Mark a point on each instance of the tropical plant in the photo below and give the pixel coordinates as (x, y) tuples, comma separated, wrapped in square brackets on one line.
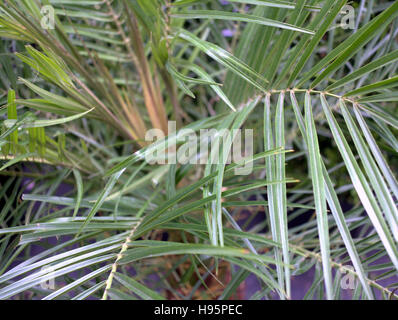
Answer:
[(83, 208)]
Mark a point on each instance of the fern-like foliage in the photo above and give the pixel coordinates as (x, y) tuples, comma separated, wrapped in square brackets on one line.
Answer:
[(82, 208)]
